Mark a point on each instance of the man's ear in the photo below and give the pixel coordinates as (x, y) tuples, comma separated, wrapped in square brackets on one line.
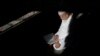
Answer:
[(79, 15)]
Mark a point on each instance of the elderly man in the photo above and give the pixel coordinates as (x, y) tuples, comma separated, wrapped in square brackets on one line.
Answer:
[(65, 40), (62, 33)]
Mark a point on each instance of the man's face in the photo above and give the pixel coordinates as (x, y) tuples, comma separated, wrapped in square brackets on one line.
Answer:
[(63, 15)]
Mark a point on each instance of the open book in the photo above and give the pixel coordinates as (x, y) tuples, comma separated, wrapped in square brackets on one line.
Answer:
[(48, 38)]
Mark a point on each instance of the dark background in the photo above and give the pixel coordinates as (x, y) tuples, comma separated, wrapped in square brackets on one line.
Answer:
[(27, 38)]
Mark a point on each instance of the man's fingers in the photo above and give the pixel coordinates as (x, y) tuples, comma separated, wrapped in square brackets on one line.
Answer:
[(56, 38), (57, 45)]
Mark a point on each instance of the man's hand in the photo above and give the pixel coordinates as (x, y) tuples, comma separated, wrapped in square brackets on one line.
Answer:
[(57, 44), (56, 40)]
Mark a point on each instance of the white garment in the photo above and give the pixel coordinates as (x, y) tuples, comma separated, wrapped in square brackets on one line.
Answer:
[(63, 33)]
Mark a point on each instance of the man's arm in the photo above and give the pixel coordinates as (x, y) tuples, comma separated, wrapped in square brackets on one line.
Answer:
[(59, 47)]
